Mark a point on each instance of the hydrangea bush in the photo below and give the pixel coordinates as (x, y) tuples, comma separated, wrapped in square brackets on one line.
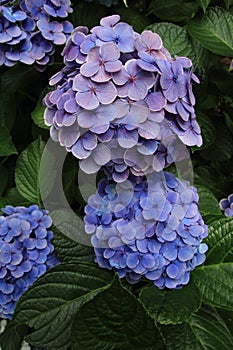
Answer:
[(140, 98)]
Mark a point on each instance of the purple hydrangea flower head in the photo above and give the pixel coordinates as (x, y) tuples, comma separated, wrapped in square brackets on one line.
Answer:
[(145, 93), (139, 229), (226, 204), (26, 252)]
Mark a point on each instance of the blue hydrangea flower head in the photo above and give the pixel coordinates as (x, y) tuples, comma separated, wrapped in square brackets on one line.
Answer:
[(147, 227), (122, 93), (226, 204), (26, 252)]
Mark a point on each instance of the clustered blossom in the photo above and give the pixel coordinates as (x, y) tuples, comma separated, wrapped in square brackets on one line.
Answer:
[(30, 29), (147, 229), (122, 102), (26, 252), (226, 204)]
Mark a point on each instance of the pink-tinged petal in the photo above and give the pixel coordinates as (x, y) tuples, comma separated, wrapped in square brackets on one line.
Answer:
[(138, 90), (86, 119), (113, 67), (132, 67), (157, 116), (89, 69), (106, 34), (109, 21), (89, 141), (149, 130), (102, 154), (69, 119), (190, 138), (110, 52), (93, 55), (87, 100), (71, 106), (68, 136), (100, 129), (152, 40), (127, 139), (89, 166), (101, 75), (182, 111), (121, 77), (49, 116), (79, 151), (122, 91), (81, 84), (156, 101), (171, 107), (106, 93)]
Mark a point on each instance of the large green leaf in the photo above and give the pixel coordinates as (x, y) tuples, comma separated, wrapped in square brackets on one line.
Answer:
[(171, 306), (206, 330), (3, 178), (220, 241), (12, 337), (50, 305), (214, 279), (173, 10), (214, 31), (28, 170), (208, 203), (6, 145), (175, 38), (38, 113), (204, 4), (70, 251), (114, 319)]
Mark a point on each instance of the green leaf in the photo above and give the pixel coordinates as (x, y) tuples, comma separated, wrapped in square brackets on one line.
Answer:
[(137, 20), (228, 3), (50, 305), (208, 203), (214, 279), (229, 122), (172, 306), (27, 171), (11, 338), (6, 145), (38, 115), (214, 31), (14, 198), (204, 4), (205, 331), (220, 241), (175, 38), (114, 319), (70, 251), (207, 130), (3, 178), (222, 147), (173, 10)]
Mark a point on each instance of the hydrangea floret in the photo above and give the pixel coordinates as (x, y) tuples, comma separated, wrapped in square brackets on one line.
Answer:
[(147, 228), (30, 29), (226, 204), (123, 93), (26, 252)]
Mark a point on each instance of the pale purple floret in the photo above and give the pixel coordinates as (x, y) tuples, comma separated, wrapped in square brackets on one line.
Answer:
[(72, 51), (90, 94), (226, 204), (121, 34), (52, 31), (133, 82), (101, 62), (173, 81), (149, 43)]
